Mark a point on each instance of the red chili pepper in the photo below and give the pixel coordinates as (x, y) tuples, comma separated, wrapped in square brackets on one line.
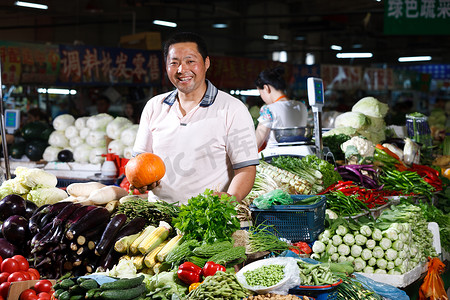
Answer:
[(189, 273), (303, 248), (211, 268)]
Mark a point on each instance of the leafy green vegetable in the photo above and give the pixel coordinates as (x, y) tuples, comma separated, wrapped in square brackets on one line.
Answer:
[(208, 217), (330, 175), (334, 142), (433, 214)]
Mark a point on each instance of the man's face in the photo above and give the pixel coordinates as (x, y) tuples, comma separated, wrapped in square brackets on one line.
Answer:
[(186, 68)]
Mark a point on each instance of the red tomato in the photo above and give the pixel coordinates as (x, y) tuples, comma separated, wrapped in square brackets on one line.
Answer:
[(26, 275), (25, 295), (4, 288), (23, 262), (1, 259), (44, 296), (10, 265), (32, 275), (4, 276), (16, 276), (36, 273), (43, 285)]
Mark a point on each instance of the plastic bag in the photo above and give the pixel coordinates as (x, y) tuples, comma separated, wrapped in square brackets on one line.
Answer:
[(433, 286), (275, 197), (290, 280)]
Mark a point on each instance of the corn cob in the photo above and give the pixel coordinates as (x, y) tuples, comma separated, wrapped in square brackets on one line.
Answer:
[(138, 262), (134, 245), (152, 240), (123, 244), (160, 267), (150, 258), (172, 244)]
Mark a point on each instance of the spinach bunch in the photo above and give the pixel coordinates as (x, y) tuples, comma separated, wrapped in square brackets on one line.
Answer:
[(208, 217)]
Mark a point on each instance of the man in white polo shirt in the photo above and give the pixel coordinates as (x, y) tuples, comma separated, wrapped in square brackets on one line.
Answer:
[(205, 136)]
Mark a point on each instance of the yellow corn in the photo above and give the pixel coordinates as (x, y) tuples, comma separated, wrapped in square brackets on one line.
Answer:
[(148, 271), (160, 267), (125, 257), (153, 240), (147, 231), (138, 262), (123, 244), (150, 258), (172, 244)]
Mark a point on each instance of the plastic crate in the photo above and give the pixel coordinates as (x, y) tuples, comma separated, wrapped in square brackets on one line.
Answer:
[(293, 222), (323, 292)]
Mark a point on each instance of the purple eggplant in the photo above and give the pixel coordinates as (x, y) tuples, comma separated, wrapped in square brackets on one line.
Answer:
[(30, 208), (78, 214), (7, 249), (15, 230), (109, 234), (34, 221), (11, 205), (93, 218)]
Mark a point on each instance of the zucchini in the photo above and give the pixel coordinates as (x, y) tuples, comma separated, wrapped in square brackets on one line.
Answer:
[(77, 290), (58, 292), (123, 283), (93, 293), (67, 283), (76, 297), (124, 294), (89, 284), (64, 295)]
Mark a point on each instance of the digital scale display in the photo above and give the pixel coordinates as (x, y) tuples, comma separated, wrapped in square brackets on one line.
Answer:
[(315, 91), (12, 120)]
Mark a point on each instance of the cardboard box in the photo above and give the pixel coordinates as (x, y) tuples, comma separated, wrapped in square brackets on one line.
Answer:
[(143, 40), (16, 288)]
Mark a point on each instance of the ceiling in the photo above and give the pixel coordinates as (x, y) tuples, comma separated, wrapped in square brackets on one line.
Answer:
[(304, 26)]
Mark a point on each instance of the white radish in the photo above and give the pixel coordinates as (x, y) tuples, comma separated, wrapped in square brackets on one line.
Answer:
[(83, 189), (105, 195)]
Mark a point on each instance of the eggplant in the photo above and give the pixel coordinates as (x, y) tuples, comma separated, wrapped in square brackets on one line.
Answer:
[(93, 218), (7, 249), (30, 208), (11, 205), (52, 211), (65, 213), (34, 220), (93, 234), (132, 227), (109, 234), (65, 155), (15, 230), (78, 214)]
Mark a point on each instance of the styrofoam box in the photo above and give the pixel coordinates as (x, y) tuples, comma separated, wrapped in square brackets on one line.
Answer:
[(411, 276)]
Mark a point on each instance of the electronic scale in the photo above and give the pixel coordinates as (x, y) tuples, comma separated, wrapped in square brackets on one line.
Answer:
[(300, 149), (12, 120)]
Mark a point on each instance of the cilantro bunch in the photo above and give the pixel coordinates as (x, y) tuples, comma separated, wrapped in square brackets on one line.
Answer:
[(208, 218)]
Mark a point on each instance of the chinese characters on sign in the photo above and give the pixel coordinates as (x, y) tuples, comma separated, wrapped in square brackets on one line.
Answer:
[(431, 17)]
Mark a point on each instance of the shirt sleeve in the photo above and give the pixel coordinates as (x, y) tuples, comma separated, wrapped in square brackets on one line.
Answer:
[(144, 140), (265, 116)]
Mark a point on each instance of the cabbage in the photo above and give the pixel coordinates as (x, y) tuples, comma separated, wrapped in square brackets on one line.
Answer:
[(331, 249), (63, 121), (71, 132), (368, 269), (99, 122), (377, 235), (391, 234), (385, 243), (76, 141), (365, 230), (48, 195), (381, 263), (80, 123), (51, 153), (390, 254), (343, 249), (81, 153), (372, 261), (355, 251), (115, 128), (318, 247), (350, 259), (128, 136), (390, 265), (96, 138), (123, 269), (397, 245), (116, 147), (336, 240), (360, 239), (350, 131), (58, 139), (366, 254), (352, 119), (341, 230), (84, 132), (376, 123), (359, 264), (349, 239), (378, 252), (370, 244), (128, 152), (375, 136), (95, 155), (35, 177), (370, 106), (13, 186)]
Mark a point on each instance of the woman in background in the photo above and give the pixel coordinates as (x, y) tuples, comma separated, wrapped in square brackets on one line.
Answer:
[(278, 111)]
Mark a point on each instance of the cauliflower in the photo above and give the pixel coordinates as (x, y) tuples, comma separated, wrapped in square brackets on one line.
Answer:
[(358, 147)]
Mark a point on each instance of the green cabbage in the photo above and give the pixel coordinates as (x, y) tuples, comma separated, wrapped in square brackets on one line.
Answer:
[(352, 119), (49, 195), (370, 106)]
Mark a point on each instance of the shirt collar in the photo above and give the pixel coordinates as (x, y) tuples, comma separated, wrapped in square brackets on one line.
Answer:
[(208, 98)]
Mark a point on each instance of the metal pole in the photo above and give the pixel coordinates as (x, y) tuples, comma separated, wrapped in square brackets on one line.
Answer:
[(3, 131)]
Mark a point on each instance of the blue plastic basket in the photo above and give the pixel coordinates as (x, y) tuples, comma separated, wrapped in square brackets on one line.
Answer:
[(293, 222), (324, 292)]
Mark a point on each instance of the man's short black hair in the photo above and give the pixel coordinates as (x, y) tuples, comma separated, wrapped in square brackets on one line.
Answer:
[(185, 37)]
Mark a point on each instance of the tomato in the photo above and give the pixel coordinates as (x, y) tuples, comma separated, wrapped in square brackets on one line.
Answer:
[(44, 296), (4, 288), (23, 262), (10, 265), (26, 275), (36, 273), (25, 295), (32, 275), (16, 276), (43, 285), (4, 276), (1, 259)]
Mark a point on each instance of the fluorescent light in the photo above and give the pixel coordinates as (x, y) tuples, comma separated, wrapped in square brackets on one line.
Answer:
[(253, 92), (57, 91), (355, 55), (164, 23), (357, 46), (300, 38), (310, 59), (31, 5), (220, 25), (336, 47), (414, 58), (270, 37)]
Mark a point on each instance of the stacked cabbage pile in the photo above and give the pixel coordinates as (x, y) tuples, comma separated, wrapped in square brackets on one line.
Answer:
[(86, 137), (365, 119)]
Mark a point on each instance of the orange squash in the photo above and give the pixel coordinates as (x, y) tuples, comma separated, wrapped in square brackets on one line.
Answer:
[(144, 169)]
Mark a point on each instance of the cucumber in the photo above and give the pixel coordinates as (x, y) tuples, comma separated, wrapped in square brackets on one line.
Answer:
[(89, 284), (76, 297), (124, 294), (67, 283), (93, 293), (123, 283), (58, 292), (64, 295), (77, 290)]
